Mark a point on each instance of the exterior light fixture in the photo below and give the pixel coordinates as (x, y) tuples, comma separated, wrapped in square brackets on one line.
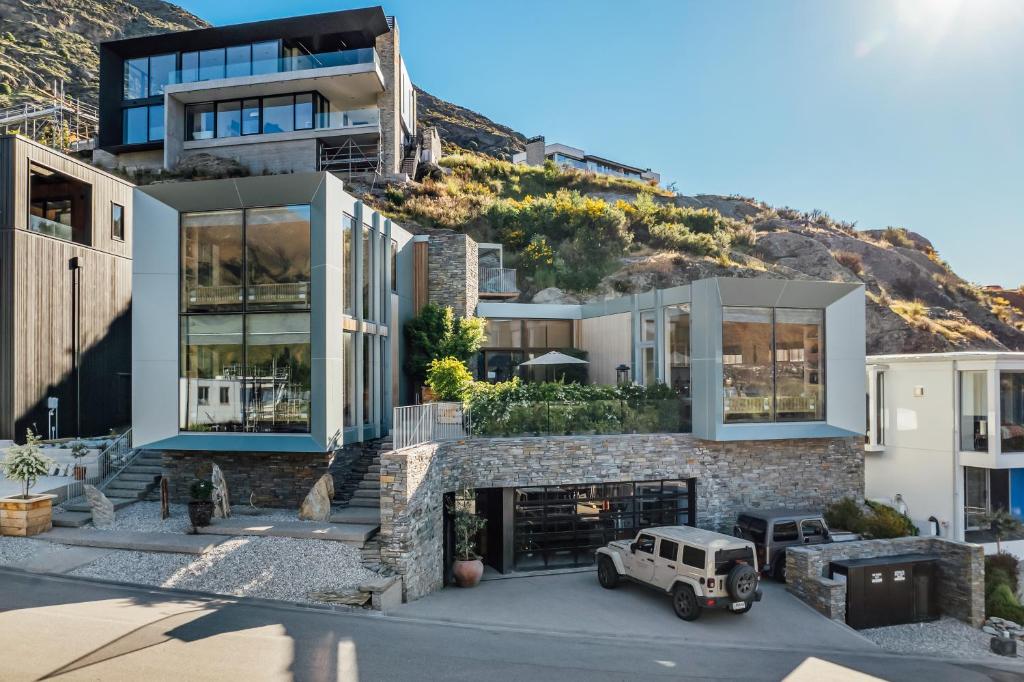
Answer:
[(622, 375)]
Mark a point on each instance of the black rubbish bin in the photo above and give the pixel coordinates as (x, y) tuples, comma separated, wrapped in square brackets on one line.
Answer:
[(889, 590)]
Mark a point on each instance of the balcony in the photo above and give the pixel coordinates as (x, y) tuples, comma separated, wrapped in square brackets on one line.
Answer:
[(50, 227), (497, 283)]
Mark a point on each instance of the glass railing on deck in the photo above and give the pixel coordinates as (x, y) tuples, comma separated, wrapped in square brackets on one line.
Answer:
[(585, 418), (260, 67), (50, 227), (353, 118)]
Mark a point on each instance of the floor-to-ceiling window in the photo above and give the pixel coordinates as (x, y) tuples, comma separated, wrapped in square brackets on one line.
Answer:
[(773, 364), (648, 358), (974, 411), (245, 321), (677, 361), (1011, 411), (509, 343)]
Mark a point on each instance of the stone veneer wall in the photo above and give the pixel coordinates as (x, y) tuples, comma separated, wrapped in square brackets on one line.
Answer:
[(389, 102), (267, 479), (961, 588), (730, 477), (453, 272)]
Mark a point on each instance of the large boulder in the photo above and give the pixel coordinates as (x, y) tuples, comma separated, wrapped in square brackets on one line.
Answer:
[(802, 253), (317, 505), (101, 507)]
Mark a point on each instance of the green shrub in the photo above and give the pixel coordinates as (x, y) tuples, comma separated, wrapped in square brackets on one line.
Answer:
[(26, 463), (1006, 563), (448, 378), (395, 195), (885, 522), (1002, 603), (201, 490), (437, 333), (845, 514)]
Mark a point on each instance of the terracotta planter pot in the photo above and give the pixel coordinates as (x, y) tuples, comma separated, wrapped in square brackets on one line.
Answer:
[(79, 472), (25, 516), (468, 573), (200, 512)]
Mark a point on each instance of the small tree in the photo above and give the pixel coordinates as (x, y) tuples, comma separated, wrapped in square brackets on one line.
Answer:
[(26, 463), (1002, 524), (449, 379), (437, 333), (467, 525)]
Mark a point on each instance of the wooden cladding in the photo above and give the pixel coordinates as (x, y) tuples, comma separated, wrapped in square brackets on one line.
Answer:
[(420, 272)]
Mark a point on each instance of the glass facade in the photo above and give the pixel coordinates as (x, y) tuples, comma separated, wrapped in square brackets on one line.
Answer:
[(974, 411), (561, 526), (677, 363), (253, 116), (648, 359), (773, 364), (245, 365), (143, 124), (365, 257), (512, 342), (1011, 411), (348, 272), (161, 72), (348, 351), (200, 121)]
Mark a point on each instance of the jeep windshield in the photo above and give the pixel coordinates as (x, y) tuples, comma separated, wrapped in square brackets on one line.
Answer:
[(725, 559)]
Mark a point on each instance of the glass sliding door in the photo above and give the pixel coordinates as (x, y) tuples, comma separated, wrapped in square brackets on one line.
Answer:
[(976, 496)]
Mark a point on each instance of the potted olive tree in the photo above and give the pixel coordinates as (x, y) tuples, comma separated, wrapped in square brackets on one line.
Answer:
[(26, 514), (200, 507), (467, 567), (79, 451)]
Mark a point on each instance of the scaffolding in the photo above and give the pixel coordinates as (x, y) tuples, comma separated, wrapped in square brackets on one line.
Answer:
[(55, 119)]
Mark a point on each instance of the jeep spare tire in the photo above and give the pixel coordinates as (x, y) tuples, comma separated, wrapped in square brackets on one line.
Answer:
[(741, 582)]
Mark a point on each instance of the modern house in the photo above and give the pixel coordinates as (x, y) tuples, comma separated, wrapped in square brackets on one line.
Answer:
[(267, 313), (946, 437), (65, 294), (537, 152), (320, 92)]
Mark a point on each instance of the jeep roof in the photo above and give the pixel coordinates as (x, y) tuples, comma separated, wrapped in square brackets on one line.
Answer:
[(781, 514), (699, 536)]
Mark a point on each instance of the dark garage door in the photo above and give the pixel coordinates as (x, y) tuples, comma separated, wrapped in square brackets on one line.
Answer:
[(561, 526)]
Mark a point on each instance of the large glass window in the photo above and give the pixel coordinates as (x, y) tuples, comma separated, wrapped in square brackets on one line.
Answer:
[(1011, 411), (278, 372), (156, 122), (250, 116), (799, 387), (229, 119), (349, 357), (367, 381), (279, 114), (677, 345), (59, 205), (211, 64), (136, 78), (277, 257), (266, 376), (394, 265), (117, 221), (161, 72), (647, 356), (747, 364), (136, 125), (265, 57), (304, 111), (348, 267), (365, 256), (211, 357), (773, 364), (508, 343), (189, 67), (211, 261), (199, 121), (239, 61), (548, 333), (974, 411), (504, 334)]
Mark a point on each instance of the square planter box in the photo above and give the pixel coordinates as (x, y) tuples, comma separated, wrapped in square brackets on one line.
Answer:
[(26, 516)]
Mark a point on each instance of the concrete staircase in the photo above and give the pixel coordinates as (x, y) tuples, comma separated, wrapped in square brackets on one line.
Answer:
[(131, 485), (357, 498)]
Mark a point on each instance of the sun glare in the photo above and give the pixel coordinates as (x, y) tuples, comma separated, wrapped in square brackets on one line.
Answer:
[(933, 23)]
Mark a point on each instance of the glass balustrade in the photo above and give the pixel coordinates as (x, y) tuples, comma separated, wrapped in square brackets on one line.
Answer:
[(301, 62)]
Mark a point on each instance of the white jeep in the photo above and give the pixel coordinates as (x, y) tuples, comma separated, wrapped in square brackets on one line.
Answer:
[(699, 568)]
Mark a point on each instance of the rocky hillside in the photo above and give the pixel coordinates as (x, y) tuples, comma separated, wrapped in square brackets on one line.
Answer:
[(576, 236), (42, 41)]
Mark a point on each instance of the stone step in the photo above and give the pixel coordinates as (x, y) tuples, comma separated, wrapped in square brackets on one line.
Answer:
[(364, 502), (118, 484), (143, 542), (374, 467), (369, 484), (129, 475), (305, 530), (118, 502), (71, 519), (359, 515), (372, 476), (144, 469), (372, 493)]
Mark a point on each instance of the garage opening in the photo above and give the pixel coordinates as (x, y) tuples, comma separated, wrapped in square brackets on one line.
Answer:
[(560, 526)]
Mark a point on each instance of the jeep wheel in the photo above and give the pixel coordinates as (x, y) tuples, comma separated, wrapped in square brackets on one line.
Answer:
[(684, 602), (741, 582), (606, 573)]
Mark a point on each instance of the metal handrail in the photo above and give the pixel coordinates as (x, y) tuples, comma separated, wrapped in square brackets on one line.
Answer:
[(497, 280), (418, 424), (111, 461)]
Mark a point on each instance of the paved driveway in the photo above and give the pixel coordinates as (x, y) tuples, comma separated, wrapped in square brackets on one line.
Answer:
[(575, 603)]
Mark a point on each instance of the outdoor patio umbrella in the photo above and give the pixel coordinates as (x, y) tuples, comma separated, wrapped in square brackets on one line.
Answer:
[(554, 358)]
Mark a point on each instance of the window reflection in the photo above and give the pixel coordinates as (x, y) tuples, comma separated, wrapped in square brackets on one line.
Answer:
[(277, 375), (1011, 411), (277, 257), (747, 364), (798, 365), (211, 261), (211, 362)]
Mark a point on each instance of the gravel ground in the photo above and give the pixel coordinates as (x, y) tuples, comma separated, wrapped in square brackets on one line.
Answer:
[(15, 551), (270, 568), (145, 517), (946, 637)]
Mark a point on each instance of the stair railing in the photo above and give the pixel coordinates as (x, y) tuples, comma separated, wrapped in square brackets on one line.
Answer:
[(111, 461)]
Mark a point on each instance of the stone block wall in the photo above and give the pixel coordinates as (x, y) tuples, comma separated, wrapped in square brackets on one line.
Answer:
[(389, 102), (961, 574), (267, 479), (453, 277), (731, 477)]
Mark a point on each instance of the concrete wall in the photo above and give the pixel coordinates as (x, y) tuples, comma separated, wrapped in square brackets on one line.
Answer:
[(608, 342), (731, 477), (291, 156), (961, 588)]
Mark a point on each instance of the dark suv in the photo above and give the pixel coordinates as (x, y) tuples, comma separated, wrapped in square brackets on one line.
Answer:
[(772, 531)]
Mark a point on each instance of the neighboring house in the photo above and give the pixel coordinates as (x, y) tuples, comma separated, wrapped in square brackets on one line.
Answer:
[(946, 435), (65, 294), (537, 152), (267, 326), (319, 92)]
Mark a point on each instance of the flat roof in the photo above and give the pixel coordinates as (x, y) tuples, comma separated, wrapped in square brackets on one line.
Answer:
[(948, 356), (355, 28)]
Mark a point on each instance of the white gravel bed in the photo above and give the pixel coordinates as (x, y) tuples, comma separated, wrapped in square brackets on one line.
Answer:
[(15, 551), (145, 517), (947, 637), (265, 567)]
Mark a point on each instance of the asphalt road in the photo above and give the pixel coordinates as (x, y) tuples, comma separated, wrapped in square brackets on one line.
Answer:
[(54, 627)]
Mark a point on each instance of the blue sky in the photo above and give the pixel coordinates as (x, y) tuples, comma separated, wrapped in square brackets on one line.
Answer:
[(896, 112)]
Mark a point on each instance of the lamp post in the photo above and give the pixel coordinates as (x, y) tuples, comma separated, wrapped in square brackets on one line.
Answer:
[(622, 375), (76, 326)]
